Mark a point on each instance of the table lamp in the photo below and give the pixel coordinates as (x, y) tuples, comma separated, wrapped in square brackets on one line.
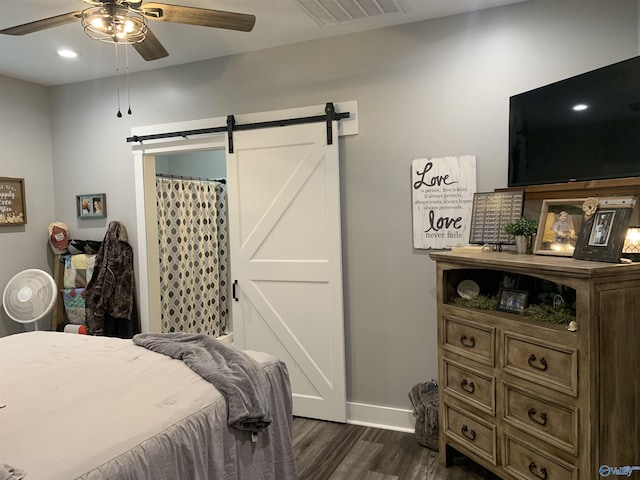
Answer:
[(631, 247)]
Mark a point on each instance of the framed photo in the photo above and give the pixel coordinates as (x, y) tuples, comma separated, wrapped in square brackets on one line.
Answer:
[(91, 205), (604, 229), (558, 227), (513, 301), (601, 232), (13, 210)]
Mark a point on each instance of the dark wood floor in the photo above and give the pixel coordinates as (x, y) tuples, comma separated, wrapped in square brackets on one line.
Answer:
[(335, 451)]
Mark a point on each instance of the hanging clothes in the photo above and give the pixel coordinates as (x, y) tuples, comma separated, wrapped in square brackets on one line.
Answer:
[(193, 245), (110, 294)]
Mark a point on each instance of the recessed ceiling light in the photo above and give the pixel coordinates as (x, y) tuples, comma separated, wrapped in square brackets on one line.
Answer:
[(65, 52), (580, 107)]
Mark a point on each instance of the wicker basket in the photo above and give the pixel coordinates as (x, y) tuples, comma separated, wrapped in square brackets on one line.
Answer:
[(424, 397)]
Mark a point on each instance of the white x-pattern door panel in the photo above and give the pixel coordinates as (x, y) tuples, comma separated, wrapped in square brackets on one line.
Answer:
[(286, 257)]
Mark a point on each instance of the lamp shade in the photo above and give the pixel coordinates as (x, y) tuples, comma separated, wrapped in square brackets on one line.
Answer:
[(631, 247)]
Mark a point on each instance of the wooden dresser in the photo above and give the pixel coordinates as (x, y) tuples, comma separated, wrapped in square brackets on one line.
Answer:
[(529, 399)]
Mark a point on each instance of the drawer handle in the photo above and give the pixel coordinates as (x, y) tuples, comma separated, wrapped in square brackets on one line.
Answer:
[(471, 342), (470, 434), (467, 386), (538, 472), (543, 363), (541, 419)]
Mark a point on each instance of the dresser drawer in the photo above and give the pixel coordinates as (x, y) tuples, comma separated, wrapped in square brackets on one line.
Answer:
[(475, 434), (470, 386), (523, 462), (470, 340), (553, 366), (553, 422)]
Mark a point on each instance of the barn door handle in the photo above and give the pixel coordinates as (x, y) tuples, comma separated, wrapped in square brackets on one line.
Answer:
[(233, 290)]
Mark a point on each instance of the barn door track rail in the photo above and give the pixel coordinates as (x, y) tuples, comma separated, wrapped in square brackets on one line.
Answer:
[(329, 116)]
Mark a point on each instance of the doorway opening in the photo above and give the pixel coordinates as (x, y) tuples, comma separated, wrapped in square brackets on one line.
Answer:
[(193, 242), (188, 158)]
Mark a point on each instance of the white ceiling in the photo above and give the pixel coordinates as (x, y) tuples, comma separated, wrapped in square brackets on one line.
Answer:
[(33, 57)]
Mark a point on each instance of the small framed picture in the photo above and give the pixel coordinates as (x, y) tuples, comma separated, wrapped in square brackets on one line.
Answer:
[(513, 301), (91, 205), (604, 229), (558, 227)]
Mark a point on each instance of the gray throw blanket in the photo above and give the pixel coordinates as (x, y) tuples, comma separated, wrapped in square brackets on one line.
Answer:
[(235, 374)]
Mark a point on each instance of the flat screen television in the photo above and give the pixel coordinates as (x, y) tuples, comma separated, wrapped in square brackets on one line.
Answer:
[(586, 127)]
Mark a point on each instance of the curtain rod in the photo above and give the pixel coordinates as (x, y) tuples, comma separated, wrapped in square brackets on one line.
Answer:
[(183, 177)]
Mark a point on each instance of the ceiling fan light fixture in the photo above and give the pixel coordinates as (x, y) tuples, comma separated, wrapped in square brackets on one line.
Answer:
[(114, 24)]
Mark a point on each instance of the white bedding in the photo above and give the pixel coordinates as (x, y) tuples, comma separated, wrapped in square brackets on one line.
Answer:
[(103, 408)]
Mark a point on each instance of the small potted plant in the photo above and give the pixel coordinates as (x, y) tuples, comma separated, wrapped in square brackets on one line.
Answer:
[(523, 229)]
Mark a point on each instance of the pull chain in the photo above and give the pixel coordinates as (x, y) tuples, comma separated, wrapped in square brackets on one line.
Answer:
[(119, 114), (126, 51)]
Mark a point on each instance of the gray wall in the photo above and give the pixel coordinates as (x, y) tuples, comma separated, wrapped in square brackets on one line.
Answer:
[(25, 139), (211, 164), (427, 89)]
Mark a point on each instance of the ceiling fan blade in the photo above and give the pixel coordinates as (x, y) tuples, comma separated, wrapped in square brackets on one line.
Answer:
[(150, 48), (43, 24), (242, 22)]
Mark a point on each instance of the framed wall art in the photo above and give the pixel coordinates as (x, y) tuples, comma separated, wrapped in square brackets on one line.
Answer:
[(13, 210), (604, 228), (558, 227), (91, 205), (442, 193)]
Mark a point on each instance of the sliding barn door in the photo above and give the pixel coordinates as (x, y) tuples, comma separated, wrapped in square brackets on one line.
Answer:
[(284, 221)]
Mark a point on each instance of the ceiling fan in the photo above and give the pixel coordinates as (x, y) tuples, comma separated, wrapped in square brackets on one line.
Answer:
[(125, 22)]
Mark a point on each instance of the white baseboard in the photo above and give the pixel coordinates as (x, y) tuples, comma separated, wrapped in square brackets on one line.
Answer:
[(376, 416)]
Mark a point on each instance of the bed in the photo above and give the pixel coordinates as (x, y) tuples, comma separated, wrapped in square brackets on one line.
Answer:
[(85, 407)]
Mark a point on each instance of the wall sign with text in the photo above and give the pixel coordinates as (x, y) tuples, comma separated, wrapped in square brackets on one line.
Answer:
[(443, 190), (12, 202)]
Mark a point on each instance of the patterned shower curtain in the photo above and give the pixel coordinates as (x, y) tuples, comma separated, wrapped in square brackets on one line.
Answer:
[(192, 231)]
